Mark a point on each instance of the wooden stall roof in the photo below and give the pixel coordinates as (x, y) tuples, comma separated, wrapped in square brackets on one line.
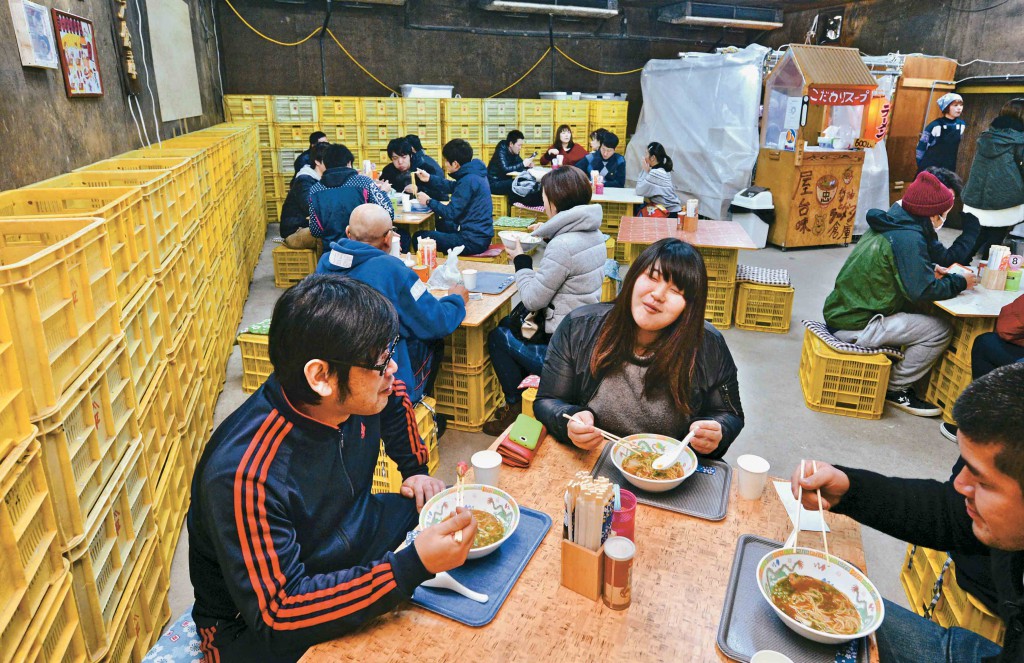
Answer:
[(831, 65)]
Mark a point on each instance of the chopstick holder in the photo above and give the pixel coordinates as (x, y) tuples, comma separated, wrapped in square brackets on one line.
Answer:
[(582, 569)]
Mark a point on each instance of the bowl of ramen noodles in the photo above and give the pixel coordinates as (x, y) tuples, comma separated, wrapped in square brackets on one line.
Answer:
[(637, 467), (819, 596), (496, 513)]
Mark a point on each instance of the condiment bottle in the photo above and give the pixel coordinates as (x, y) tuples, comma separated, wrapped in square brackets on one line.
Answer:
[(618, 572)]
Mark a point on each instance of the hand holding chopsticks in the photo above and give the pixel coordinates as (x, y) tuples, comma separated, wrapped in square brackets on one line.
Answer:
[(791, 541), (606, 435)]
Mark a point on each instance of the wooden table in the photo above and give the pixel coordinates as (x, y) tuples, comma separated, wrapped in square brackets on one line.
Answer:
[(680, 575), (978, 303), (420, 220), (621, 195), (709, 234), (478, 310)]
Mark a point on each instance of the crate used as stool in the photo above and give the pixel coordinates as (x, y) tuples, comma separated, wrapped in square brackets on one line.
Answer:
[(852, 385), (386, 477), (520, 210), (256, 366), (496, 255), (947, 381), (505, 222), (763, 308), (500, 206), (292, 265)]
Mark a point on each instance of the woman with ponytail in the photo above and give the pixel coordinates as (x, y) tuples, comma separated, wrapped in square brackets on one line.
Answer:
[(655, 184)]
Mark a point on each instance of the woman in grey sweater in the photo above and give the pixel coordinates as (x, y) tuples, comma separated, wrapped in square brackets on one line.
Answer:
[(568, 275), (655, 183)]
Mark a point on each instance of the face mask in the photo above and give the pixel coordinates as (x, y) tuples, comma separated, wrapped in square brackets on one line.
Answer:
[(942, 222)]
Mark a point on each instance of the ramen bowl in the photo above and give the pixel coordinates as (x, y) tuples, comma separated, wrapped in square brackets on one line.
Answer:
[(778, 564), (526, 240), (477, 496), (658, 444)]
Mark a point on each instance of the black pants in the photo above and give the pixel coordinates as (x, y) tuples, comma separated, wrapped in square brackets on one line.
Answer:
[(990, 237), (990, 352)]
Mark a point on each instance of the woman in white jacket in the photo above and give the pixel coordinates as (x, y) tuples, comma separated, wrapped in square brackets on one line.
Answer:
[(568, 275), (655, 183)]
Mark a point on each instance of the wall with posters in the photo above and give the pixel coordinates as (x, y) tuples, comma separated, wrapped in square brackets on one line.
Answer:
[(46, 133)]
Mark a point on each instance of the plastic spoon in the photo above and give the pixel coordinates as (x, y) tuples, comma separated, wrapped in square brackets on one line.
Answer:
[(444, 581), (671, 457)]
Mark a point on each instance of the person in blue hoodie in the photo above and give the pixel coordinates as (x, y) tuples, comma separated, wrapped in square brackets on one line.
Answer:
[(424, 321), (466, 220), (607, 162)]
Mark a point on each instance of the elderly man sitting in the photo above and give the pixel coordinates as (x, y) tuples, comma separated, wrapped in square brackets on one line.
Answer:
[(423, 320)]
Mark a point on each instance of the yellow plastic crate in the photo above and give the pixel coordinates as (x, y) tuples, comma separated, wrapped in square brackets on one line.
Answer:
[(126, 224), (183, 171), (341, 110), (268, 135), (143, 610), (500, 259), (462, 111), (465, 349), (55, 632), (610, 248), (382, 110), (171, 498), (418, 110), (429, 134), (198, 155), (536, 111), (539, 137), (846, 384), (293, 134), (256, 366), (248, 107), (103, 562), (14, 422), (283, 164), (144, 337), (60, 300), (524, 213), (468, 399), (569, 111), (158, 421), (719, 307), (207, 315), (292, 265), (495, 133), (609, 114), (500, 111), (764, 308), (377, 136), (720, 263), (194, 428), (611, 218), (295, 109), (349, 135), (386, 477), (85, 437), (500, 205), (28, 532), (529, 397), (159, 201), (965, 331), (947, 381), (609, 289), (183, 364), (174, 290), (197, 259)]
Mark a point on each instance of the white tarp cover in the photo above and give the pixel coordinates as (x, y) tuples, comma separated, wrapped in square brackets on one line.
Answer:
[(704, 109), (874, 176)]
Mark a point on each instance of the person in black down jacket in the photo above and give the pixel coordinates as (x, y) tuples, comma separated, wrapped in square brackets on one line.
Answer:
[(981, 511), (505, 162), (647, 363)]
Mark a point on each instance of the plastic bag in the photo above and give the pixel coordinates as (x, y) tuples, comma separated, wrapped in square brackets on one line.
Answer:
[(447, 275)]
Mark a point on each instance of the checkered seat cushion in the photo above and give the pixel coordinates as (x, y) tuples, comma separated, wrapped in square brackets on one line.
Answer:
[(821, 331), (762, 275), (538, 208)]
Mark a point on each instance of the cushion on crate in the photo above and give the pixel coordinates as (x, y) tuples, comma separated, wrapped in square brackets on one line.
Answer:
[(762, 275), (821, 331), (179, 643), (513, 222), (492, 252), (539, 208)]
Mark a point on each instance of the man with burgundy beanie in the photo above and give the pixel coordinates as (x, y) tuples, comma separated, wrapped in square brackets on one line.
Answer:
[(888, 279)]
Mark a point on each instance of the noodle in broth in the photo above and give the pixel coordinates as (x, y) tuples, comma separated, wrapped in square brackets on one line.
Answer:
[(640, 464), (816, 604)]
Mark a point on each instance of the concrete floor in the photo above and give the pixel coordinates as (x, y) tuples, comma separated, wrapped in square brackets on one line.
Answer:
[(779, 426)]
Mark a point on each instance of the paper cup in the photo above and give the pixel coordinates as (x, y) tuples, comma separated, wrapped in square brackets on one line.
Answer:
[(422, 271), (486, 466), (753, 473), (469, 278), (406, 203)]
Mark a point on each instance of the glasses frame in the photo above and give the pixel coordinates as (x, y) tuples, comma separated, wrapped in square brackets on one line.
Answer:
[(380, 367)]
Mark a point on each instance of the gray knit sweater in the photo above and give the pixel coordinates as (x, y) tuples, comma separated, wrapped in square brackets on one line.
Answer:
[(655, 186)]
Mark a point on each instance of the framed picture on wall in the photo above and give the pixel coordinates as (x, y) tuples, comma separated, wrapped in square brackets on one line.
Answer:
[(76, 45), (34, 34)]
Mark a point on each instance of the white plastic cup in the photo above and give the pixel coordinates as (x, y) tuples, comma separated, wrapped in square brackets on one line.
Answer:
[(769, 656), (486, 467), (406, 203), (691, 207), (469, 278), (753, 472)]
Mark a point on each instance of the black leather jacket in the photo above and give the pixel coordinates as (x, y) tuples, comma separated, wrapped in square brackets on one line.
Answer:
[(503, 162), (567, 384)]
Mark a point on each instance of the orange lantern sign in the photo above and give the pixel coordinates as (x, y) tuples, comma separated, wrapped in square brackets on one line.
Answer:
[(876, 121)]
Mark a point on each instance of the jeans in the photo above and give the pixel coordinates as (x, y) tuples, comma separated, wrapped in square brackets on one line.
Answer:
[(923, 338), (513, 360), (988, 237), (990, 352), (448, 241), (905, 637)]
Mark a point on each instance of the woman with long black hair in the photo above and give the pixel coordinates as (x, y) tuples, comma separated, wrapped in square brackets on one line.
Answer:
[(647, 363)]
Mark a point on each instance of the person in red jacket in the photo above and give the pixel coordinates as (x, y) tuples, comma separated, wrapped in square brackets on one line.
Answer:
[(564, 147)]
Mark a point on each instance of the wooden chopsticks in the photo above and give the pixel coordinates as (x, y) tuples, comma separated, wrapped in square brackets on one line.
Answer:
[(611, 437)]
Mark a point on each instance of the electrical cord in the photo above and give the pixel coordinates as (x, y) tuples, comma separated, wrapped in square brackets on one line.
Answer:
[(145, 67), (271, 39), (983, 9), (520, 79), (356, 62), (596, 71)]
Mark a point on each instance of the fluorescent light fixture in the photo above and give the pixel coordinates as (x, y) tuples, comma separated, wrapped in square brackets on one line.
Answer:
[(512, 6)]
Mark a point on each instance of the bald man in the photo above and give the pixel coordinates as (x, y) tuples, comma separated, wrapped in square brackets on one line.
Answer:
[(424, 321)]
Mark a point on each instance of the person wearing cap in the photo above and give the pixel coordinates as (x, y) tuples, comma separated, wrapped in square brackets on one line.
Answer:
[(886, 277), (940, 140)]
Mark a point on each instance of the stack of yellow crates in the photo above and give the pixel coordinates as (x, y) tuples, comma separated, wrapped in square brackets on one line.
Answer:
[(382, 122), (126, 279), (500, 116), (463, 118), (610, 116), (951, 375), (422, 117), (536, 121)]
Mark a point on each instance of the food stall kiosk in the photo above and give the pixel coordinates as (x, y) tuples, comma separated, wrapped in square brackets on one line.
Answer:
[(816, 103)]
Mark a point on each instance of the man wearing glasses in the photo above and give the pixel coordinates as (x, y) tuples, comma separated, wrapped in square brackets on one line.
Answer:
[(287, 546), (424, 321)]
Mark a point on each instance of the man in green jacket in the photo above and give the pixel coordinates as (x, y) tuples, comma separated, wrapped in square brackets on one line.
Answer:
[(888, 277)]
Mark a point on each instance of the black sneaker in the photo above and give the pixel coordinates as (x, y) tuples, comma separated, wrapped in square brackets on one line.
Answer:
[(907, 400), (504, 417), (948, 431)]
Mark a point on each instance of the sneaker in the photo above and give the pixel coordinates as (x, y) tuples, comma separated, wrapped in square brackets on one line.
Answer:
[(907, 400), (504, 417), (948, 431)]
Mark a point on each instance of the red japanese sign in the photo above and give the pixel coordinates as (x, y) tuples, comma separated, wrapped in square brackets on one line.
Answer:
[(838, 96)]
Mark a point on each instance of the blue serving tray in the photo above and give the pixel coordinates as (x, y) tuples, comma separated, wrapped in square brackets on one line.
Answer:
[(493, 575)]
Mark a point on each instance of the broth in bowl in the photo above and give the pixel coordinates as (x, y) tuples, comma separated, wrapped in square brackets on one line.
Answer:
[(816, 603)]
